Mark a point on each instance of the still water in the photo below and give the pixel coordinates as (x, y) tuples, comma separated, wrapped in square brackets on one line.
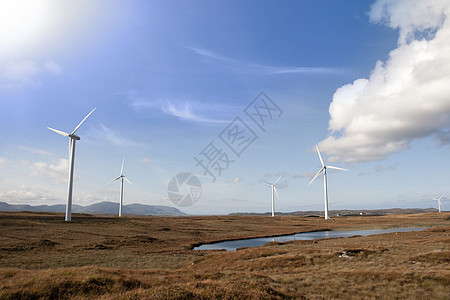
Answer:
[(256, 242)]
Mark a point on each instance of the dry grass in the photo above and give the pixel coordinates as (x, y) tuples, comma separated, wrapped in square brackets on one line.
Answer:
[(43, 257)]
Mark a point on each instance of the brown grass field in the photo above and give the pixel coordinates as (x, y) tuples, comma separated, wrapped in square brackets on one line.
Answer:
[(103, 257)]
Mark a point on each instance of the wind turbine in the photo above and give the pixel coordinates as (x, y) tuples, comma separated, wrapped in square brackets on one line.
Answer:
[(439, 202), (324, 170), (73, 138), (274, 190), (121, 177)]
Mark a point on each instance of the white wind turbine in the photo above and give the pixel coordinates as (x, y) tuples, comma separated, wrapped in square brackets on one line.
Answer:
[(274, 190), (121, 177), (324, 170), (73, 138), (439, 202)]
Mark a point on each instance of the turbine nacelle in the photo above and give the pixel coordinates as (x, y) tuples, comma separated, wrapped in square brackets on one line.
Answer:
[(74, 137)]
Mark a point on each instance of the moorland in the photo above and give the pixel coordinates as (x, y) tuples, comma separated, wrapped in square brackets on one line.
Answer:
[(104, 257)]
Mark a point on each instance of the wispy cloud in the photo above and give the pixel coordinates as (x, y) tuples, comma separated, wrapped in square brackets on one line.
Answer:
[(241, 66), (104, 133), (186, 110)]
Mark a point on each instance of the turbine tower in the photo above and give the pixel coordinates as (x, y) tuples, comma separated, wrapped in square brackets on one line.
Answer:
[(121, 177), (324, 170), (439, 202), (72, 139), (274, 190)]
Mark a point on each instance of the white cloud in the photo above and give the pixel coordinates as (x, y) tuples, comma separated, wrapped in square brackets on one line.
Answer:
[(2, 160), (18, 74), (405, 98), (411, 17), (58, 171), (25, 195)]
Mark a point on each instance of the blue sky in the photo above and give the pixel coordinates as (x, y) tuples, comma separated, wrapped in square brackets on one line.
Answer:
[(366, 80)]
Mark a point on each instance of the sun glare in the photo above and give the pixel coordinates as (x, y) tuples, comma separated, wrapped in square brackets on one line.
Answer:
[(21, 22)]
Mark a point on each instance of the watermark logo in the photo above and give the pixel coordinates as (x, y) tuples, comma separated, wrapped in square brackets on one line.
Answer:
[(237, 136), (184, 189), (213, 160), (262, 110)]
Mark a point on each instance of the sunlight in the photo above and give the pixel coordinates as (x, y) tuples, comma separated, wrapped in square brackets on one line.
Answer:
[(21, 22)]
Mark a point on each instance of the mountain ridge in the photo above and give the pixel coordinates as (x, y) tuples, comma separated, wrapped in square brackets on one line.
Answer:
[(347, 212), (104, 207)]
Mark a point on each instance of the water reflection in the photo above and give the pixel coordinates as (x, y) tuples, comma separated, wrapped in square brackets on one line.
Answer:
[(256, 242)]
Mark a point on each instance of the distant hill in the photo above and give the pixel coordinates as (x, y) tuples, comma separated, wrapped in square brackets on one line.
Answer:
[(348, 212), (107, 208)]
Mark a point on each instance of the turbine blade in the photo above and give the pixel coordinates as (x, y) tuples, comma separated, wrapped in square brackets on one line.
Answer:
[(268, 182), (337, 168), (127, 180), (59, 131), (121, 169), (76, 128), (113, 180), (320, 156), (318, 173), (276, 193), (276, 180)]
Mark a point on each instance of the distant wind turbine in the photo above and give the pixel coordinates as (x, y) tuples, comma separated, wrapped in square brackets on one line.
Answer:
[(324, 170), (72, 140), (439, 202), (274, 190), (121, 177)]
